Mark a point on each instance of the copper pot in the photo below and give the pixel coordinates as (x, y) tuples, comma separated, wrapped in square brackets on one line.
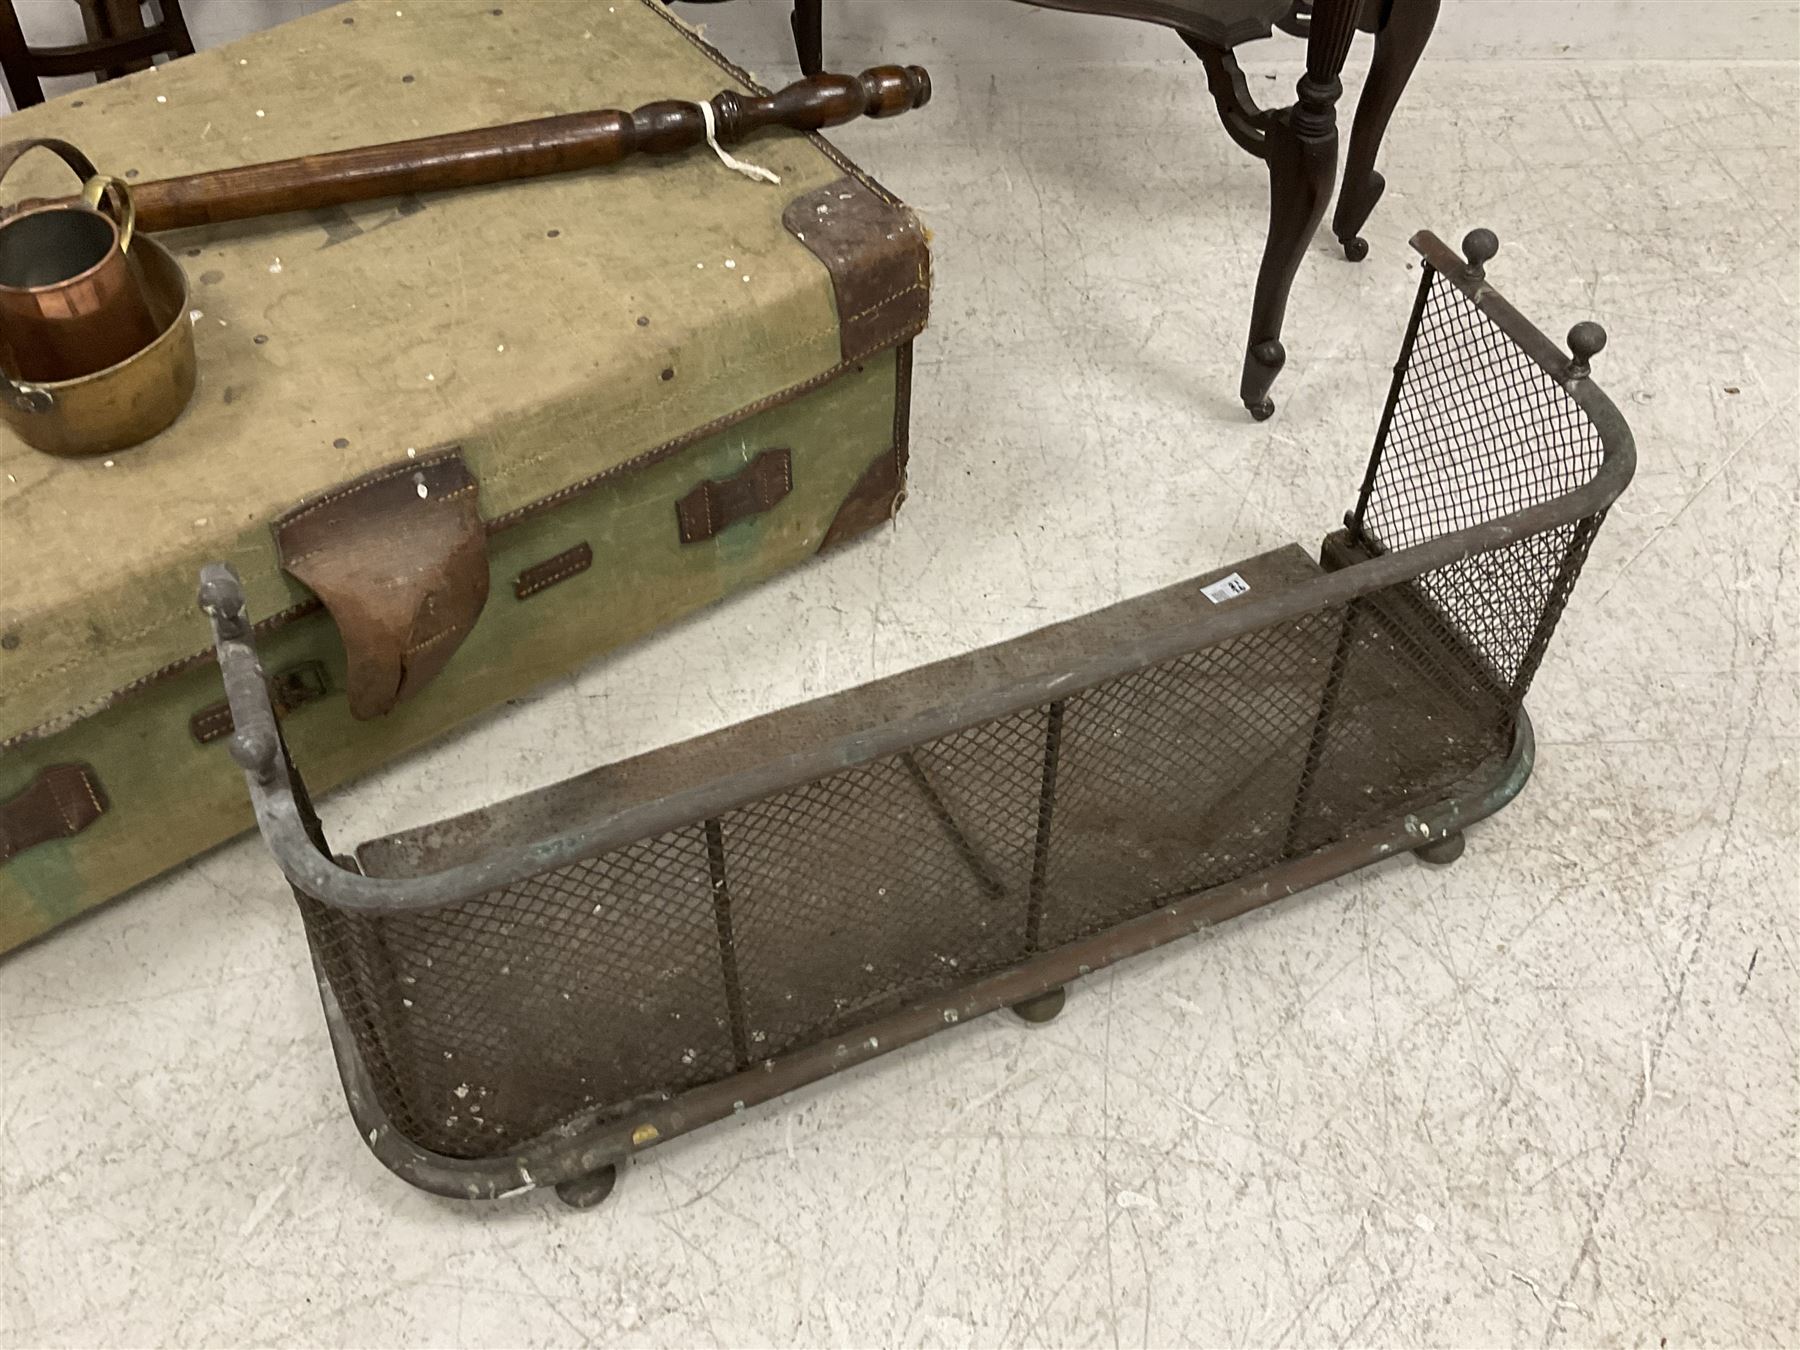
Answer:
[(96, 350), (71, 300)]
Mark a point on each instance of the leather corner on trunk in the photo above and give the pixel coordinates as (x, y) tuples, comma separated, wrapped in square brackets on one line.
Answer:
[(59, 803), (873, 501), (877, 256), (399, 557)]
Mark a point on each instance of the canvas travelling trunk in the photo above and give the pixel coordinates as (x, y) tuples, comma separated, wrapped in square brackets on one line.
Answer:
[(455, 445)]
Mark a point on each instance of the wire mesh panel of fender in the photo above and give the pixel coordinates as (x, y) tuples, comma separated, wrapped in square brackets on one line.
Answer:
[(800, 916), (1480, 429)]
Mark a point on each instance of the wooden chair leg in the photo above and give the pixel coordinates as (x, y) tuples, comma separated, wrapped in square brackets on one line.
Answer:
[(15, 60), (181, 42), (808, 20), (1399, 42), (93, 21), (117, 19)]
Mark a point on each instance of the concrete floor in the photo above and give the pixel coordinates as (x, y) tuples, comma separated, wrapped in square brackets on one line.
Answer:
[(1548, 1096)]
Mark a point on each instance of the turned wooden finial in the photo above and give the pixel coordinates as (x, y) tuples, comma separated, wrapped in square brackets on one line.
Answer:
[(826, 101)]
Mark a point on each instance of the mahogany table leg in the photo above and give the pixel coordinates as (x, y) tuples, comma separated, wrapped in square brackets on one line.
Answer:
[(808, 20), (1299, 144), (1302, 169), (1399, 42)]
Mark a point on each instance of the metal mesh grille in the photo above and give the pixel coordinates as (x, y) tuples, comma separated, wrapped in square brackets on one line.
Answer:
[(484, 1023), (883, 885), (800, 916), (1479, 430), (1182, 776)]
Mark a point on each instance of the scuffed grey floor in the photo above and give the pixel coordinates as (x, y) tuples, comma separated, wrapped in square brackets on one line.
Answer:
[(1548, 1096)]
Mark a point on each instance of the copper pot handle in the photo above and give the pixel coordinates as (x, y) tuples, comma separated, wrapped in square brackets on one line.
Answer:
[(11, 152), (94, 185)]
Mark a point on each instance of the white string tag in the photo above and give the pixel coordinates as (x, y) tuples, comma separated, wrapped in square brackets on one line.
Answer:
[(729, 160)]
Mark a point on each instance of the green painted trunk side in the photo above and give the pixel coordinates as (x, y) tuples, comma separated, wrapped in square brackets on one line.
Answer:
[(172, 798)]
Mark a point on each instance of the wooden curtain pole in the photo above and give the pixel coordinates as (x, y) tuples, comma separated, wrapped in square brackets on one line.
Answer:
[(531, 149)]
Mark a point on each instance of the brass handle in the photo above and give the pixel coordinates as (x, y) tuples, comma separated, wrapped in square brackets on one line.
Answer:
[(125, 210), (27, 398)]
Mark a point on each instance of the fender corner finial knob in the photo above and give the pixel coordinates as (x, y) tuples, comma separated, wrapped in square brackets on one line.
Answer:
[(1479, 247), (1587, 340)]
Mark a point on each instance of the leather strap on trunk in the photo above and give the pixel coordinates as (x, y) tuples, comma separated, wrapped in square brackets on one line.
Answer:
[(289, 689), (399, 557), (719, 503), (60, 803)]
